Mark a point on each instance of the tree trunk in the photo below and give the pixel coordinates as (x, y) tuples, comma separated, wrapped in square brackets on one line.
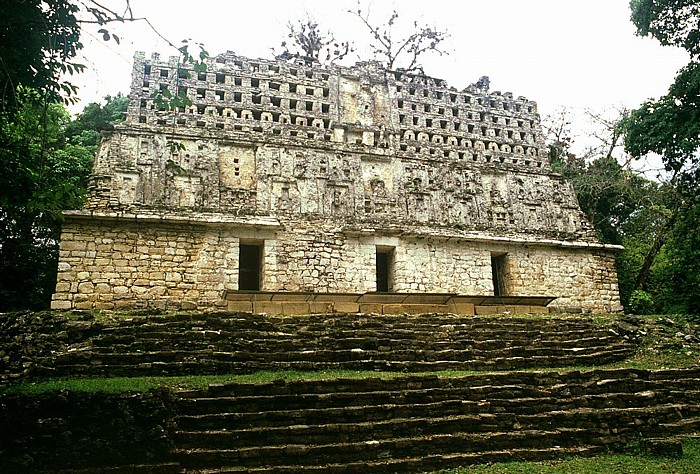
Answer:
[(659, 242)]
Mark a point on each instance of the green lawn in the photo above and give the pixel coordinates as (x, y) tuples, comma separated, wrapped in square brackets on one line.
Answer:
[(633, 463)]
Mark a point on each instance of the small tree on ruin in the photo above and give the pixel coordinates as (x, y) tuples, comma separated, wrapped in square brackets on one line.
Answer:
[(308, 42), (385, 44)]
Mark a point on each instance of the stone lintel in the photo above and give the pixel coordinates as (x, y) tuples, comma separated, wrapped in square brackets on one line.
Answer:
[(490, 239)]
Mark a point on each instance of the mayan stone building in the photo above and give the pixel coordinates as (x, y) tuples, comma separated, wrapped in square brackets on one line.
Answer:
[(286, 177)]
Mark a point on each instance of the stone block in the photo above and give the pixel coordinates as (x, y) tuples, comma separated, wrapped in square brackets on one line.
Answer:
[(413, 308), (269, 307), (346, 307), (371, 308), (61, 304), (488, 310), (319, 307), (461, 308), (188, 305), (86, 287), (295, 307), (240, 306)]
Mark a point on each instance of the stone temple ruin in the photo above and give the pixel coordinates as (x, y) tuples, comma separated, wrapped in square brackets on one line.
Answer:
[(283, 178)]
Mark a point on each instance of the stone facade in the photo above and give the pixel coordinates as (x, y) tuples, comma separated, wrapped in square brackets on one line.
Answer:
[(327, 179)]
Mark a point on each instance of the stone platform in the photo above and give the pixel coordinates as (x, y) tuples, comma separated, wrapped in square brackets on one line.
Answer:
[(290, 303)]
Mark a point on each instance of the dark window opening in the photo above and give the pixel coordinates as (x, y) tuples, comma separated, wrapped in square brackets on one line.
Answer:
[(385, 257), (220, 79), (249, 267), (498, 273)]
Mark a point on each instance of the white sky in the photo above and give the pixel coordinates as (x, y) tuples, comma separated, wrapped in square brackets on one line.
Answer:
[(578, 54)]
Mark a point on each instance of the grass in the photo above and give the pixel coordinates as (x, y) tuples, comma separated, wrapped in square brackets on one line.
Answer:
[(629, 463), (191, 382), (137, 384)]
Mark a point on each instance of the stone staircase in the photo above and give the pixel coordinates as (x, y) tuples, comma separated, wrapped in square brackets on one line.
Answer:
[(406, 422), (244, 343), (423, 423)]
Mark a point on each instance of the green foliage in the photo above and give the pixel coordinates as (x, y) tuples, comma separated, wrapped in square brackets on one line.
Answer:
[(609, 194), (641, 302), (672, 22), (85, 129), (45, 161), (670, 127), (38, 42), (678, 272)]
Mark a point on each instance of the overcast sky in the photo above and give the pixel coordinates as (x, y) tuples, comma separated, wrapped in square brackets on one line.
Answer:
[(578, 54)]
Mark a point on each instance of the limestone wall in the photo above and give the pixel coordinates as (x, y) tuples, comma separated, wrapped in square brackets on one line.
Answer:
[(110, 265)]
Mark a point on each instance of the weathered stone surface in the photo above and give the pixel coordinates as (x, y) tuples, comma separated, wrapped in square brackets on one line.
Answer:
[(324, 168)]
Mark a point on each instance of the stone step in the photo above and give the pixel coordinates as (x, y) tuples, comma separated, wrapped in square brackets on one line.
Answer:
[(228, 436), (113, 355), (381, 326), (282, 410), (195, 364), (232, 342), (396, 447), (416, 464), (155, 468), (569, 380), (419, 388)]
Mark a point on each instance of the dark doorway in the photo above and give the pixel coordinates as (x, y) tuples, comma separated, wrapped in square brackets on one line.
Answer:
[(249, 268), (384, 269), (498, 270)]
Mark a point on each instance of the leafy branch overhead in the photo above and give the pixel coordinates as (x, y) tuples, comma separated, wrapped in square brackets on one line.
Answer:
[(671, 22), (670, 126), (422, 40), (308, 42)]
